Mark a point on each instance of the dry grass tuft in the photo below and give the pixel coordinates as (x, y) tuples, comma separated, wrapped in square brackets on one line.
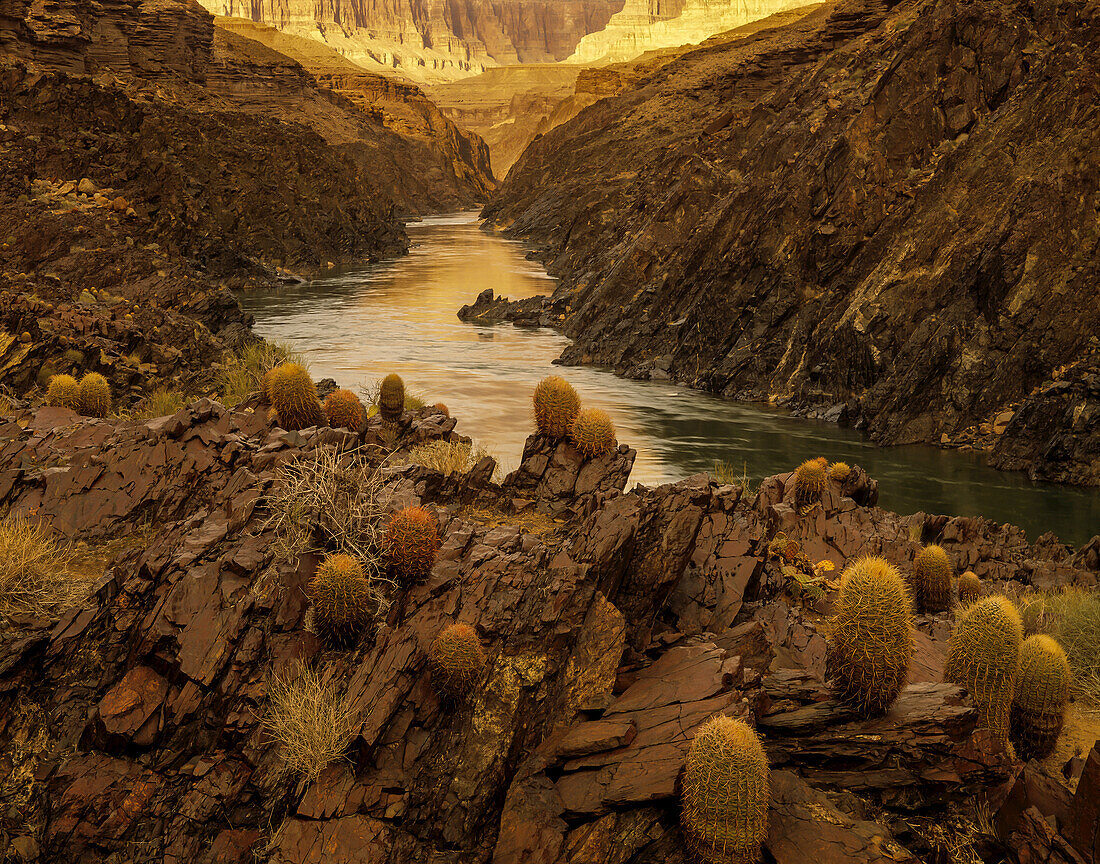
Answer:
[(34, 570), (309, 720), (447, 457), (160, 403), (243, 372), (726, 474), (1072, 617)]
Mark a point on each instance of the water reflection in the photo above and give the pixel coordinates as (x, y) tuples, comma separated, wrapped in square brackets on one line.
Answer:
[(399, 316)]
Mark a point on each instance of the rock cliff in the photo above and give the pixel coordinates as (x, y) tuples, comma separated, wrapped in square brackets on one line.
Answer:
[(885, 213)]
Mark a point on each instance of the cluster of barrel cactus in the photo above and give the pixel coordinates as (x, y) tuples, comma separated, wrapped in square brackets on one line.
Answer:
[(344, 410), (724, 805), (342, 599), (456, 659), (809, 482), (292, 393), (411, 542), (63, 392), (932, 579), (558, 413), (870, 643), (91, 396)]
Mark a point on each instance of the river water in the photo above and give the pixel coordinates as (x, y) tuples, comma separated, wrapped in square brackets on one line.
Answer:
[(399, 316)]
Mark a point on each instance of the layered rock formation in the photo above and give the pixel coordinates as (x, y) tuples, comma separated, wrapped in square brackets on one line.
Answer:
[(132, 725), (883, 212), (432, 41)]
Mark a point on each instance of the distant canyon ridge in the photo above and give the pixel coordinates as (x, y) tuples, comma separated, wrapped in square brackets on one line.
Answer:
[(436, 42)]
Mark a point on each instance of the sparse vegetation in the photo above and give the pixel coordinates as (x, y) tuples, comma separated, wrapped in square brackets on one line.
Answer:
[(309, 721), (34, 575), (243, 373)]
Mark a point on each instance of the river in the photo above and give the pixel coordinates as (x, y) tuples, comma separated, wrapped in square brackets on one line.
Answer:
[(357, 325)]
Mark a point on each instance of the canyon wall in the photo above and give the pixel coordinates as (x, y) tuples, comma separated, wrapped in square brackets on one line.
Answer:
[(885, 213)]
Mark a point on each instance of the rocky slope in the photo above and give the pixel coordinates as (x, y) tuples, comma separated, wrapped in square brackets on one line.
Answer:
[(884, 213), (432, 42), (614, 624)]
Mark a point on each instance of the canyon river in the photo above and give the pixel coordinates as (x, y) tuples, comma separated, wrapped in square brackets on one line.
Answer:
[(357, 325)]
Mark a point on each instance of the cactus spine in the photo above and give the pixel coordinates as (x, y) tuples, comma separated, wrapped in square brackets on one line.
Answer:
[(592, 433), (970, 588), (63, 392), (343, 410), (456, 659), (343, 599), (391, 398), (932, 573), (556, 406), (724, 817), (1042, 692), (809, 482), (983, 656), (95, 395), (870, 642), (294, 397), (411, 542)]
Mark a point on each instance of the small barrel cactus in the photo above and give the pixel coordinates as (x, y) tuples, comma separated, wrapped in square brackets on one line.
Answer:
[(932, 572), (839, 471), (556, 406), (411, 542), (95, 395), (343, 410), (456, 659), (809, 482), (391, 398), (970, 588), (442, 409), (1042, 693), (983, 656), (343, 600), (870, 641), (64, 392), (724, 814), (294, 397), (592, 433)]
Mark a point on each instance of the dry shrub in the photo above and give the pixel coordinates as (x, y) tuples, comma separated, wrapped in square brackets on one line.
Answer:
[(1072, 617), (243, 373), (309, 720), (34, 575), (162, 402), (447, 457)]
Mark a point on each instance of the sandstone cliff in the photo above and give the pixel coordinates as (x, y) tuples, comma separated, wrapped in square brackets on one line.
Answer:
[(884, 212), (428, 41)]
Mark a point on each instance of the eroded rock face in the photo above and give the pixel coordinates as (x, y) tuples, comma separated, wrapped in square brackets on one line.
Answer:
[(825, 214)]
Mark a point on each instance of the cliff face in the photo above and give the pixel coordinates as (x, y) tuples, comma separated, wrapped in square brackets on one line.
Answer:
[(434, 41), (885, 212)]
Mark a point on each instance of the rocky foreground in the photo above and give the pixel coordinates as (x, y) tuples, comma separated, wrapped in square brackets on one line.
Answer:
[(883, 213), (614, 624)]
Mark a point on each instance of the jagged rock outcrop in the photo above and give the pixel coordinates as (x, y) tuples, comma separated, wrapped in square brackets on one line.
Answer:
[(862, 211)]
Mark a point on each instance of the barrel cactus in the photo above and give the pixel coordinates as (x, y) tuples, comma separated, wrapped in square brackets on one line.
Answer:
[(442, 409), (970, 588), (391, 398), (983, 656), (809, 482), (343, 410), (411, 542), (724, 814), (932, 572), (592, 433), (294, 397), (839, 471), (556, 406), (343, 599), (63, 392), (1042, 693), (95, 395), (870, 642), (456, 659)]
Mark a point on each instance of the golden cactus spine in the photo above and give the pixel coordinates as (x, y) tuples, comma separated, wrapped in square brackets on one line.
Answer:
[(294, 397), (95, 395), (456, 659), (556, 405), (411, 542), (870, 641), (724, 815), (970, 588), (342, 598), (391, 398), (592, 433), (809, 482), (983, 656), (932, 572), (1042, 693), (343, 410), (64, 392)]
